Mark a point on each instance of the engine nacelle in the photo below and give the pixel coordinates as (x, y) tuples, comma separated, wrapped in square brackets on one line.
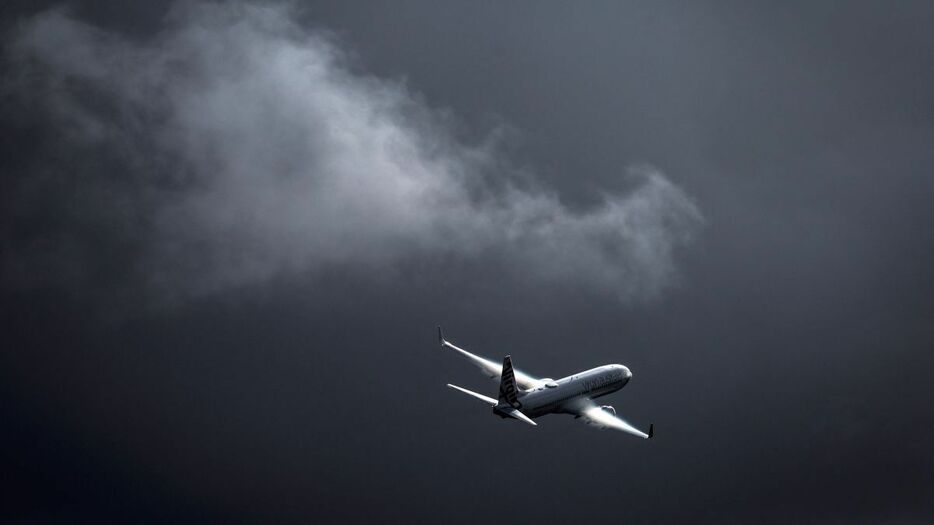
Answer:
[(608, 408)]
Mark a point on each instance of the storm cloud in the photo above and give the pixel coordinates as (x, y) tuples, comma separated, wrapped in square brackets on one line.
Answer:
[(239, 146), (320, 186)]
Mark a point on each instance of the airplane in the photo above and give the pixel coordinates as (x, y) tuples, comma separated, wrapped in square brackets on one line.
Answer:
[(524, 397)]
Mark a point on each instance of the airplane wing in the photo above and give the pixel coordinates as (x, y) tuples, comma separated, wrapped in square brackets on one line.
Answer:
[(492, 369), (595, 415)]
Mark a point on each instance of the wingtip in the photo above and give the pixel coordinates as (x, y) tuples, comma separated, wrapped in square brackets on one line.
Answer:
[(441, 340), (651, 430)]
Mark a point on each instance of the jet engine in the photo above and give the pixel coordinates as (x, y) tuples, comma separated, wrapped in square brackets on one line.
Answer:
[(608, 408)]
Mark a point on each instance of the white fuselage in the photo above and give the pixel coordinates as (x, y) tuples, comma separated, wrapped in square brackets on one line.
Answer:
[(552, 397)]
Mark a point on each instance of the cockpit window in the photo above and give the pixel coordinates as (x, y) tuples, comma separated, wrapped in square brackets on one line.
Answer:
[(551, 384)]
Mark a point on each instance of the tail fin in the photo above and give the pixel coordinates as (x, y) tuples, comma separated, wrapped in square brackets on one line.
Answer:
[(508, 392)]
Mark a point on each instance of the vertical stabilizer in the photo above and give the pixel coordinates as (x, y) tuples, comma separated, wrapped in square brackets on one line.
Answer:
[(508, 392)]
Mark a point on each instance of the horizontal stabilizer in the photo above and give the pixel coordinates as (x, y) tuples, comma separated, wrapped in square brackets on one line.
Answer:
[(512, 412), (488, 400)]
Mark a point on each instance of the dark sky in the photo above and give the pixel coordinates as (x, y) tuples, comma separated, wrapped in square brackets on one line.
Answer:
[(229, 231)]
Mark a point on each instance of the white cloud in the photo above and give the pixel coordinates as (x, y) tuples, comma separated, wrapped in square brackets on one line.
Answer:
[(247, 149)]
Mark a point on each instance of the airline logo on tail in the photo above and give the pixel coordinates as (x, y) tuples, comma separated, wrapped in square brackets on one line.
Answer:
[(508, 392)]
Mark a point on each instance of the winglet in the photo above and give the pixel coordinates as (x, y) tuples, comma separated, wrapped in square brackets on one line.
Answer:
[(441, 340), (651, 430)]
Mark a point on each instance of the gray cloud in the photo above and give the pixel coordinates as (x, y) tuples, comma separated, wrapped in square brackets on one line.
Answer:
[(234, 146)]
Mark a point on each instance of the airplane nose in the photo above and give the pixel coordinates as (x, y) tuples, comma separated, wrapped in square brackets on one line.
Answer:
[(627, 373)]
